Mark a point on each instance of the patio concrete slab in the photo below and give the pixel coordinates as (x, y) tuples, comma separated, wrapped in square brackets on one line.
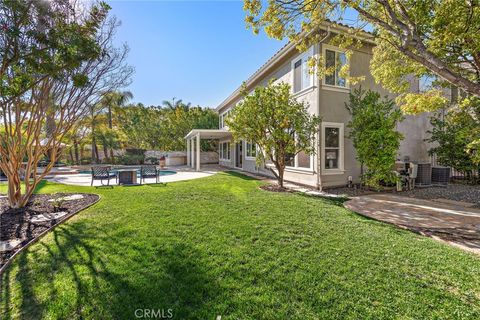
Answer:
[(450, 222), (182, 173)]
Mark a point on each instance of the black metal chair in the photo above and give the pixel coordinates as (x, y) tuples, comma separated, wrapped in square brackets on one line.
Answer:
[(103, 173), (149, 171)]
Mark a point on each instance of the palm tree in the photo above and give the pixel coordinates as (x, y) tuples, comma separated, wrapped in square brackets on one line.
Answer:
[(172, 105), (109, 101), (115, 99)]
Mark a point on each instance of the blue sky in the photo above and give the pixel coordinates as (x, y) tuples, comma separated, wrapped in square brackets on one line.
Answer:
[(198, 51)]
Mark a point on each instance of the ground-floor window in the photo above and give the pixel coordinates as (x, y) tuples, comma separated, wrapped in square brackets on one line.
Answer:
[(225, 151), (332, 147), (251, 149), (301, 160)]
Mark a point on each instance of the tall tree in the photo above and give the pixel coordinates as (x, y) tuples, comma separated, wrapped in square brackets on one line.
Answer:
[(174, 104), (427, 37), (455, 134), (283, 127), (112, 101), (53, 72)]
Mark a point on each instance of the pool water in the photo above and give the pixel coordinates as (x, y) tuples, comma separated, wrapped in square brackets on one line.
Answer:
[(162, 172)]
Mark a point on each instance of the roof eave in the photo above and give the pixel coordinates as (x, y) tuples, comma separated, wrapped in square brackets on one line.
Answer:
[(363, 35)]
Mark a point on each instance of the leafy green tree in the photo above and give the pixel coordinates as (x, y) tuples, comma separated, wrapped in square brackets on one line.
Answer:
[(455, 133), (52, 66), (110, 103), (282, 127), (374, 135), (164, 128), (418, 38), (142, 126)]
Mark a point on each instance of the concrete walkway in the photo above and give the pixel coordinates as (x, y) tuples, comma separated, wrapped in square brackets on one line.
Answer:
[(455, 224)]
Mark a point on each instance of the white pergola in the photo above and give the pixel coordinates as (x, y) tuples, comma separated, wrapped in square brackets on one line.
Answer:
[(193, 143)]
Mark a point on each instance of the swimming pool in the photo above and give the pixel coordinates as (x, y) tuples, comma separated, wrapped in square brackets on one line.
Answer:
[(162, 172)]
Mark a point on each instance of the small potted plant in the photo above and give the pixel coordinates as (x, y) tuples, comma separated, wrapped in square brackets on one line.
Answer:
[(162, 162)]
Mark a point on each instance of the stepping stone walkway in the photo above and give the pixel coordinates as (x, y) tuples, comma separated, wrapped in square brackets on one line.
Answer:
[(47, 216), (9, 245), (458, 225), (68, 198)]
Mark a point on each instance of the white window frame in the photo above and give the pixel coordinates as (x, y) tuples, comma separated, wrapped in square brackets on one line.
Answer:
[(304, 57), (222, 117), (247, 157), (229, 151), (341, 150), (295, 166), (326, 47)]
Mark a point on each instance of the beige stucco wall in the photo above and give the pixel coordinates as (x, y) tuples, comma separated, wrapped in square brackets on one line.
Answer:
[(330, 106)]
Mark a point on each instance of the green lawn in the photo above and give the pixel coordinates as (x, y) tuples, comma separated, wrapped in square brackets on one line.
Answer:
[(222, 246)]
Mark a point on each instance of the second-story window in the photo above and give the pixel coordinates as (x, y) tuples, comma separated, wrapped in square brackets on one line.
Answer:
[(302, 77), (335, 60), (222, 119)]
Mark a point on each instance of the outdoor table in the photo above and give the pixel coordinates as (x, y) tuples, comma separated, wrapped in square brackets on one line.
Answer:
[(127, 176)]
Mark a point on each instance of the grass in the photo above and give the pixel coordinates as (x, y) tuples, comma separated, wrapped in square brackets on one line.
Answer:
[(222, 246)]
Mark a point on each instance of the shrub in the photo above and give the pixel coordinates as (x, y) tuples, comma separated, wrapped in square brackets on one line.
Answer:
[(129, 159), (374, 135), (152, 160)]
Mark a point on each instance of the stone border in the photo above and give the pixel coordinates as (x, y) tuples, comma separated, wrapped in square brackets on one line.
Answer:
[(41, 235)]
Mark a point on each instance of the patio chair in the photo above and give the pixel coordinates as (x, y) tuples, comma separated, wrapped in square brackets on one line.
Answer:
[(149, 171), (103, 173)]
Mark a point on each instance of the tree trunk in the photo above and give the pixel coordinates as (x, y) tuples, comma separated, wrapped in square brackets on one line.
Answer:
[(72, 159), (280, 176), (94, 148), (112, 157), (110, 122), (15, 190), (105, 153), (75, 146)]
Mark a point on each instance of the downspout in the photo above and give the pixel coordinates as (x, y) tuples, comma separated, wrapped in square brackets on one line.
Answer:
[(319, 146)]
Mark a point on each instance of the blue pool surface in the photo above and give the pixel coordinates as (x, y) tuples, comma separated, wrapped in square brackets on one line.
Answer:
[(162, 172)]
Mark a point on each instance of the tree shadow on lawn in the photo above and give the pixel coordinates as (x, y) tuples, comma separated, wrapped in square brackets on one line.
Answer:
[(87, 273), (338, 201), (239, 175)]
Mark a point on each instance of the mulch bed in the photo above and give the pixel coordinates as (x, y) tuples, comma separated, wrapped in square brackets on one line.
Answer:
[(17, 224)]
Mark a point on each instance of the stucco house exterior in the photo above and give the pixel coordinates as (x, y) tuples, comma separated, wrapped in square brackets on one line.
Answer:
[(334, 160)]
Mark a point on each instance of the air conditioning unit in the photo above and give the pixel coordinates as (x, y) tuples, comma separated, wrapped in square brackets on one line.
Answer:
[(440, 175), (424, 174)]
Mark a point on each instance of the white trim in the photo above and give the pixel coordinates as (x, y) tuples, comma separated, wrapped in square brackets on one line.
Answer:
[(300, 170), (330, 86), (341, 148), (198, 153), (304, 91), (297, 168), (335, 88), (220, 153), (304, 56), (221, 118), (246, 153)]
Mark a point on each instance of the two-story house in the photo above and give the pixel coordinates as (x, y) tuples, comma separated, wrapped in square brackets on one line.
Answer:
[(334, 160)]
